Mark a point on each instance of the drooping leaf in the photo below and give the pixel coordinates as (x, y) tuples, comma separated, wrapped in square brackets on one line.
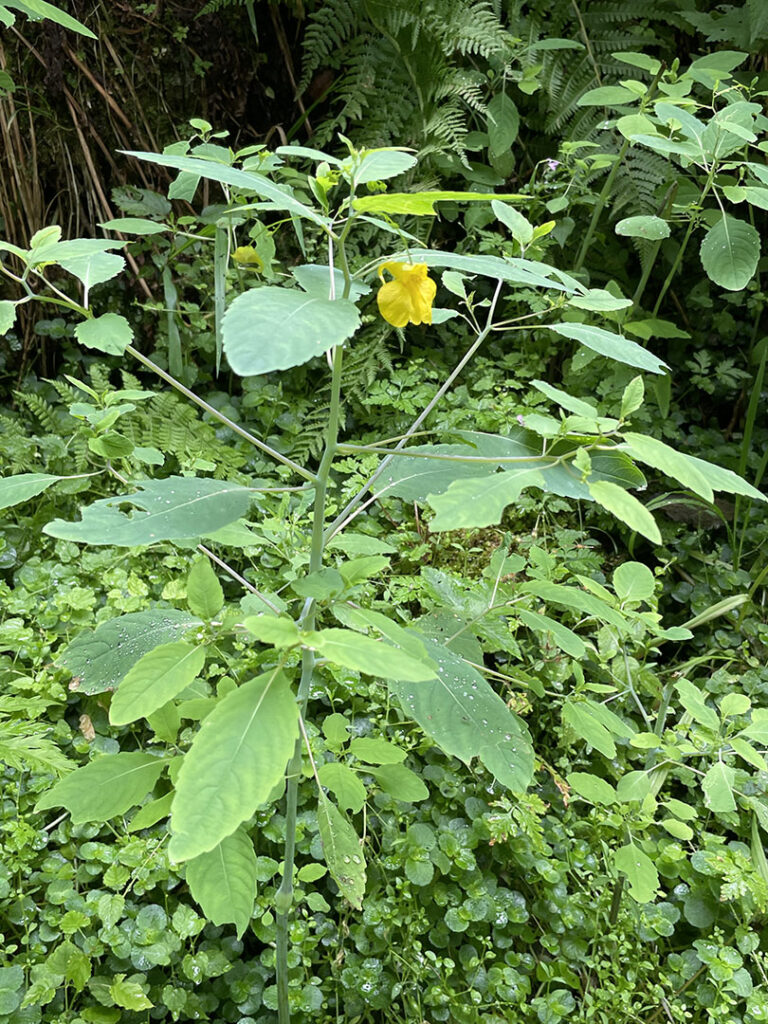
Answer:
[(106, 787), (422, 204), (87, 259), (576, 600), (271, 328), (563, 637), (100, 659), (159, 676), (640, 871), (607, 343), (729, 253), (41, 9), (668, 460), (176, 508), (342, 851), (467, 719), (626, 508), (223, 881), (581, 718), (235, 761)]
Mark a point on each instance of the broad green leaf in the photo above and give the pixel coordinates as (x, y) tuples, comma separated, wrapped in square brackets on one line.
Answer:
[(748, 753), (734, 704), (563, 637), (566, 401), (100, 659), (7, 316), (694, 703), (105, 788), (718, 786), (632, 398), (503, 124), (592, 787), (758, 727), (477, 502), (726, 480), (374, 750), (576, 600), (614, 346), (244, 181), (321, 585), (607, 96), (159, 676), (640, 871), (581, 718), (670, 461), (634, 786), (519, 226), (422, 204), (128, 994), (467, 719), (235, 761), (515, 271), (729, 253), (223, 881), (634, 581), (598, 300), (379, 164), (400, 782), (430, 469), (315, 279), (176, 508), (204, 594), (16, 489), (626, 508), (342, 851), (364, 619), (272, 328), (273, 629), (41, 9), (364, 654), (149, 814), (653, 228), (345, 785), (87, 259), (134, 226)]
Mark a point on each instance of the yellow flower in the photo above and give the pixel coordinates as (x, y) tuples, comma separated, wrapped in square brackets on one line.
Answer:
[(247, 256), (409, 296)]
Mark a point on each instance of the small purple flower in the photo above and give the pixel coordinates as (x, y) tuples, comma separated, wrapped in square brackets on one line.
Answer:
[(520, 420), (552, 165)]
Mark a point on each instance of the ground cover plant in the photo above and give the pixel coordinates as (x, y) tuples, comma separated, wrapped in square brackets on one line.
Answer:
[(351, 670)]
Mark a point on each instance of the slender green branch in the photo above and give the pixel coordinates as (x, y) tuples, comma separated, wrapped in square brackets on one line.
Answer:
[(234, 427), (683, 245)]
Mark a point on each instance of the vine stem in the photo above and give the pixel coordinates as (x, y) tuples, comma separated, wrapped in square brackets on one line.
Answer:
[(234, 427), (347, 513)]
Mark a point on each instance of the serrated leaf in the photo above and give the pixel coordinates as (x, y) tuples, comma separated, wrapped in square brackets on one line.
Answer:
[(345, 785), (729, 253), (640, 871), (176, 508), (342, 851), (273, 328), (718, 785), (100, 659), (128, 994), (223, 881), (467, 719), (105, 788), (235, 761), (159, 676), (204, 594)]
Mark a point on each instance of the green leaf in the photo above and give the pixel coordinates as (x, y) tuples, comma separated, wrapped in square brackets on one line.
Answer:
[(400, 782), (758, 728), (476, 503), (128, 994), (176, 508), (640, 870), (634, 582), (412, 477), (692, 700), (150, 813), (626, 508), (223, 881), (734, 704), (375, 750), (563, 637), (235, 761), (105, 788), (576, 600), (100, 659), (748, 753), (515, 271), (632, 398), (273, 629), (653, 228), (593, 788), (519, 226), (321, 585), (204, 594), (422, 204), (134, 226), (729, 253), (345, 785), (566, 401), (110, 333), (41, 9), (668, 460), (608, 96), (87, 259), (581, 718), (364, 654), (244, 181), (598, 300), (159, 676), (7, 315), (614, 346), (718, 786), (467, 719), (380, 164), (503, 124), (16, 489), (342, 851), (633, 787), (271, 328)]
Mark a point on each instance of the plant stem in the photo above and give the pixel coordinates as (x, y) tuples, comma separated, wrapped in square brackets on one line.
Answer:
[(340, 521), (250, 438), (683, 245)]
